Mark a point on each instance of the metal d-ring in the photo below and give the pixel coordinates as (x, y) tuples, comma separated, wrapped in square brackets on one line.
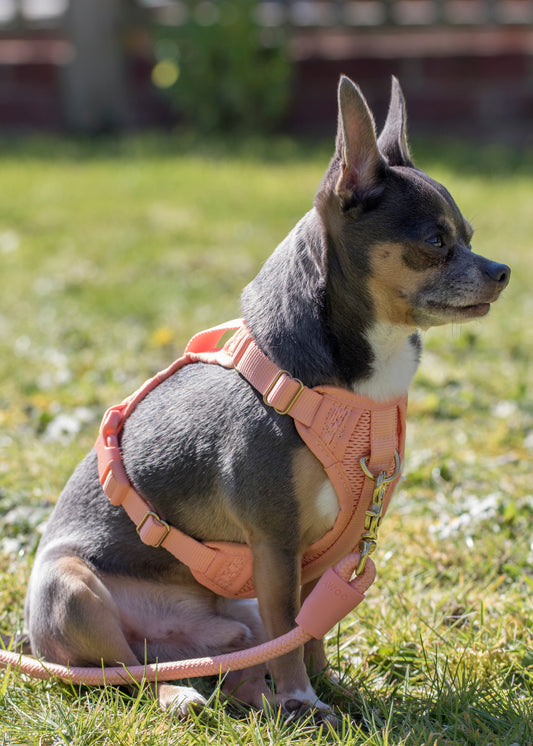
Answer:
[(385, 479)]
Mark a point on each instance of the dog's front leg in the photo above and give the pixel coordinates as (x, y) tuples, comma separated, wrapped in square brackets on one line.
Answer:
[(277, 580)]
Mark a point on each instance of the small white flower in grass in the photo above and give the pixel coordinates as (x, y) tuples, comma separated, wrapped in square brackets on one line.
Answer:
[(57, 372), (9, 242), (504, 409), (473, 511), (64, 427)]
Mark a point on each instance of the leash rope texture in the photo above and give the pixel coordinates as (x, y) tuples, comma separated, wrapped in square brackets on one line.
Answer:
[(346, 593)]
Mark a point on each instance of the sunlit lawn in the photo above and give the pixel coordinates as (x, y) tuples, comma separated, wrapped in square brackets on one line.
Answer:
[(111, 255)]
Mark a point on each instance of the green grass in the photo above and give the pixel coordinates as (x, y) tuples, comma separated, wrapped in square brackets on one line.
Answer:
[(112, 254)]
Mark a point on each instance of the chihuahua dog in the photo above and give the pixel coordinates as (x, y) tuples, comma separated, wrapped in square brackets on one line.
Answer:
[(383, 253)]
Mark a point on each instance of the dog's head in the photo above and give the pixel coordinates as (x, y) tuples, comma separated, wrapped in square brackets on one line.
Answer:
[(395, 237)]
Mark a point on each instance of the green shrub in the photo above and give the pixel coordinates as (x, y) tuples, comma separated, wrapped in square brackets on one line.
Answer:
[(221, 69)]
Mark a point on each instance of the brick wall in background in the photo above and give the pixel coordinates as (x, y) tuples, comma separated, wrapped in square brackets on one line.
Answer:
[(30, 83), (469, 83), (473, 83)]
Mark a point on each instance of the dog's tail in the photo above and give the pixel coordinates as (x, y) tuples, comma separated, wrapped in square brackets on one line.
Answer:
[(19, 643)]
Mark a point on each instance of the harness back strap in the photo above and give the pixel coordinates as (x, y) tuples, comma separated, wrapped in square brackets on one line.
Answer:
[(333, 422), (152, 530)]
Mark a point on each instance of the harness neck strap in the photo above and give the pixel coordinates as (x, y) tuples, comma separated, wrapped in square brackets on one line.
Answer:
[(287, 395)]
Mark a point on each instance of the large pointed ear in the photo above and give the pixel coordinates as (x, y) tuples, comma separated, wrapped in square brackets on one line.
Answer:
[(362, 165), (393, 139)]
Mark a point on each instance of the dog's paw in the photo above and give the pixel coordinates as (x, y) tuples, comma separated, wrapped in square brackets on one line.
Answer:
[(179, 700), (241, 637), (248, 689), (320, 714), (300, 705)]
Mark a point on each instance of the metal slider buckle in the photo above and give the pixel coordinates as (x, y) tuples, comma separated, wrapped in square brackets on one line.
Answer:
[(294, 398), (164, 525)]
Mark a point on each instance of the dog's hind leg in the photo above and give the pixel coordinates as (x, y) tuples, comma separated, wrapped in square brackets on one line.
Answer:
[(74, 620), (72, 617), (248, 685)]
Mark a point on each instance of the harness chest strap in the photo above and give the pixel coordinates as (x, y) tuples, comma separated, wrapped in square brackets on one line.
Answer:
[(223, 566)]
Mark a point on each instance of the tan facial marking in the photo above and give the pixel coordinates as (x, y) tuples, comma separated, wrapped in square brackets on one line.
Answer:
[(393, 283)]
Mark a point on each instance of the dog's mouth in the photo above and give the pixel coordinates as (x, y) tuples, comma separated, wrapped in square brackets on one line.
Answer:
[(458, 313), (476, 310)]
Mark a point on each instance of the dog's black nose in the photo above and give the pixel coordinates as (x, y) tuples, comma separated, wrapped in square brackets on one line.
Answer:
[(499, 273)]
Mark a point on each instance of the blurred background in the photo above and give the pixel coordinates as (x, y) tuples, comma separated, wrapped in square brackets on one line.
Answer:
[(466, 66)]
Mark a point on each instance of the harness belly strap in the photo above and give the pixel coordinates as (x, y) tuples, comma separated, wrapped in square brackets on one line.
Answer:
[(338, 426)]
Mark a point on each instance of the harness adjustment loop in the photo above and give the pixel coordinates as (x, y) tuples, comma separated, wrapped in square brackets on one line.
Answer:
[(152, 529), (294, 398)]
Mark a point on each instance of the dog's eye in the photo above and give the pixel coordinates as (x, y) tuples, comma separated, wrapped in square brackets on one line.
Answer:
[(437, 241)]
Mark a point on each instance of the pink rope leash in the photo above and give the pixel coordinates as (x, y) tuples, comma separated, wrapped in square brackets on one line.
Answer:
[(331, 599)]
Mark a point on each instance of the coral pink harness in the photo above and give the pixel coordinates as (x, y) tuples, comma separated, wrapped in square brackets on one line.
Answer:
[(341, 429)]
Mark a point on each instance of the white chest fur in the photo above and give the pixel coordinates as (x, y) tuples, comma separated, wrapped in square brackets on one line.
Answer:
[(327, 503), (394, 365)]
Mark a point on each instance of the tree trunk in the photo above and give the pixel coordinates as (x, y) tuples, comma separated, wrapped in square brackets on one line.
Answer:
[(96, 98)]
